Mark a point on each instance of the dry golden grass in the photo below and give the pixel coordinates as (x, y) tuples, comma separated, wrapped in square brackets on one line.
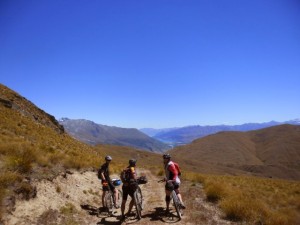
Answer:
[(28, 148), (252, 199)]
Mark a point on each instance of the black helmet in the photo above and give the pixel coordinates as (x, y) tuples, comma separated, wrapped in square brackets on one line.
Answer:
[(132, 162), (166, 156), (108, 158)]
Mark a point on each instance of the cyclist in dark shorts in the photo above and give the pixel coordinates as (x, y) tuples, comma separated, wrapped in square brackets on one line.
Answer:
[(128, 177), (172, 181), (106, 181)]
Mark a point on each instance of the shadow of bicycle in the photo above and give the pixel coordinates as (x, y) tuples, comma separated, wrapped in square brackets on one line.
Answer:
[(106, 218), (159, 214)]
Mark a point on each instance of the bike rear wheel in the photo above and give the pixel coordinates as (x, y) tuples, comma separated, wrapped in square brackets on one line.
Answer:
[(177, 204)]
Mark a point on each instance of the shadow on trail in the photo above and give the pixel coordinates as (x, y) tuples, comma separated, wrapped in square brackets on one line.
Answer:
[(104, 221), (102, 213), (94, 211), (159, 214)]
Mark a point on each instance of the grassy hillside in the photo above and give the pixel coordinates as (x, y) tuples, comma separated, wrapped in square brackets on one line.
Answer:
[(270, 152), (251, 199)]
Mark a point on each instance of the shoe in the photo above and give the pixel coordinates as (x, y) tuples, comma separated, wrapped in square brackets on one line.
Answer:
[(116, 206), (122, 218), (167, 212), (182, 205)]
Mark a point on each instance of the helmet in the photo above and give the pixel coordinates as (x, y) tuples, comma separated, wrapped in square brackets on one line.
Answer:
[(108, 158), (166, 156), (132, 162)]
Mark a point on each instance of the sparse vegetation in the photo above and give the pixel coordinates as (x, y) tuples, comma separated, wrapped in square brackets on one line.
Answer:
[(253, 199), (69, 208)]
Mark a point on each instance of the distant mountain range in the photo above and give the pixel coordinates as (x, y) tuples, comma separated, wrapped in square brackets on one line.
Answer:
[(93, 134), (271, 152), (185, 135)]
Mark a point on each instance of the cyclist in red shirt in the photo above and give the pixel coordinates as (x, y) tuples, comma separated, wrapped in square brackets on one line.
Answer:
[(172, 181)]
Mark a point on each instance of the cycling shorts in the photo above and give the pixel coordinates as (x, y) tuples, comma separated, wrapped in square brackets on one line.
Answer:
[(170, 186), (127, 191)]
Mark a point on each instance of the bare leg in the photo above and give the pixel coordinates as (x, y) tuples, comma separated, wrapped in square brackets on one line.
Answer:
[(130, 206), (168, 193), (180, 197), (116, 198)]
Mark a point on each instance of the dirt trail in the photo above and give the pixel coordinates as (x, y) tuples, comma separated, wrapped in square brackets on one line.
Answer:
[(75, 199)]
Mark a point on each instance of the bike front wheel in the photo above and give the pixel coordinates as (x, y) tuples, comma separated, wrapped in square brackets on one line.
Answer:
[(177, 204), (138, 201), (109, 202)]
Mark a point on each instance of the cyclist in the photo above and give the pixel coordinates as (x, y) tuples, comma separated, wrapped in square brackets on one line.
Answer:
[(129, 179), (106, 181), (172, 181)]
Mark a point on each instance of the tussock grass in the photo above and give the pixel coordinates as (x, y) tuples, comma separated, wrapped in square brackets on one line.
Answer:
[(252, 199), (30, 149), (69, 208)]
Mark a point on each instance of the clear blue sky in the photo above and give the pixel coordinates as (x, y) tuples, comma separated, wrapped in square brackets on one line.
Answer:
[(150, 63)]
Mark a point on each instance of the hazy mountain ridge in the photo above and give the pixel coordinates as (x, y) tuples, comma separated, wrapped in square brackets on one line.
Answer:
[(185, 135), (271, 152), (93, 134)]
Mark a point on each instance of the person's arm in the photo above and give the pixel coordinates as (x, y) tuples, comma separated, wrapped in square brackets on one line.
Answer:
[(102, 176), (102, 172)]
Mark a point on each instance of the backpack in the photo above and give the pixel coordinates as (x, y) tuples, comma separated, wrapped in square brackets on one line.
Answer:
[(99, 174), (177, 168), (125, 175)]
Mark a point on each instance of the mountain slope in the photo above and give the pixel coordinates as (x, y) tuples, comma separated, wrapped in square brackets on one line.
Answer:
[(92, 133), (273, 151), (12, 100)]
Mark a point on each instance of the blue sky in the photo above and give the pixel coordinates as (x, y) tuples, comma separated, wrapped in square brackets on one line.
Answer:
[(158, 64)]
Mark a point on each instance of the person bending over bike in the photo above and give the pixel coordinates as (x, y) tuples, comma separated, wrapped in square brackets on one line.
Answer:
[(106, 181), (172, 181), (129, 179)]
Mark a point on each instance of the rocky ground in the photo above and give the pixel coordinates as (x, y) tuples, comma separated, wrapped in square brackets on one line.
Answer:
[(75, 198)]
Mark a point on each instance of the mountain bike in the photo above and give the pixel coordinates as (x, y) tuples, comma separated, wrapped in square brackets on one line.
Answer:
[(109, 201), (176, 202), (138, 197)]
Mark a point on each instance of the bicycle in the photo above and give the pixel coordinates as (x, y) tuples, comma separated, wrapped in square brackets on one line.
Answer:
[(109, 202), (138, 197), (176, 202)]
